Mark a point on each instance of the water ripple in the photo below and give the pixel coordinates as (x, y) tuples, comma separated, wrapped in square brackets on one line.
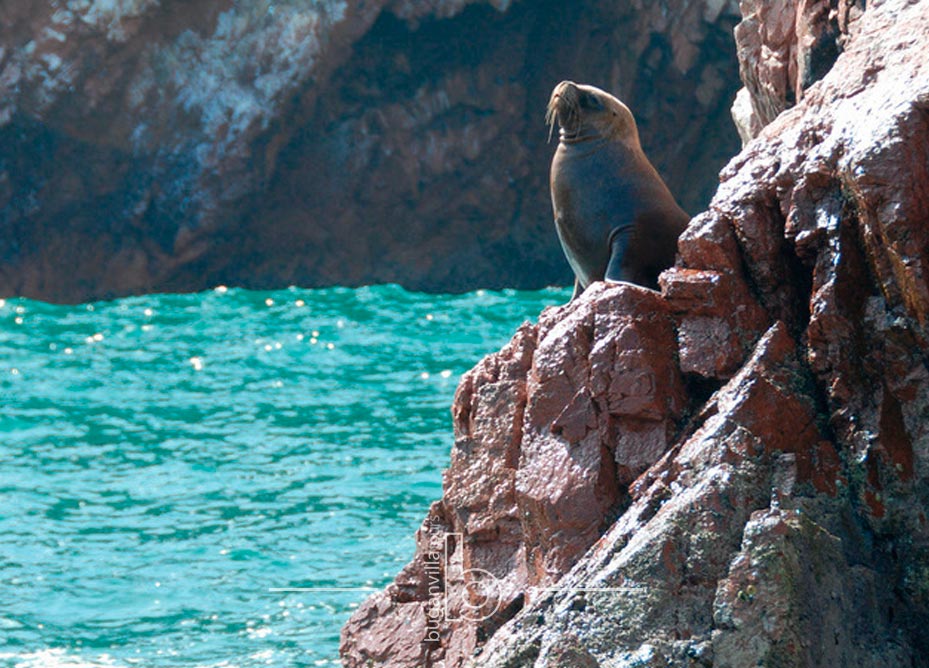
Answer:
[(166, 460)]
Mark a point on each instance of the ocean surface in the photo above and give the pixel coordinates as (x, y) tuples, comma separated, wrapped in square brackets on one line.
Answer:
[(167, 462)]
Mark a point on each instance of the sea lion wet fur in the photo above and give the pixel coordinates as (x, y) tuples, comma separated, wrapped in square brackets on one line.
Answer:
[(615, 217)]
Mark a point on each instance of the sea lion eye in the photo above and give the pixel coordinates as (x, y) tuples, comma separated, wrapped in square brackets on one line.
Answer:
[(589, 101)]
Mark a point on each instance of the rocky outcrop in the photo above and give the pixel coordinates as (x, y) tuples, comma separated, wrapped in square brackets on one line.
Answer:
[(166, 145), (781, 517), (549, 433), (784, 47)]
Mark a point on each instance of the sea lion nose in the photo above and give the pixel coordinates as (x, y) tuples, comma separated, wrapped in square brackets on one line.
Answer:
[(565, 87)]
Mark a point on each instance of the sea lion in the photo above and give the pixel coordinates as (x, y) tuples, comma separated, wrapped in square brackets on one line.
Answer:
[(615, 217)]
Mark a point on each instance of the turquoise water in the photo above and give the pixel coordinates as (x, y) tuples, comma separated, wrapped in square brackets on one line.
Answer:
[(168, 460)]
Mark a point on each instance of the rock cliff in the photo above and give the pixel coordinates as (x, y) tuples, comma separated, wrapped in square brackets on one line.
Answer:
[(732, 472), (153, 145)]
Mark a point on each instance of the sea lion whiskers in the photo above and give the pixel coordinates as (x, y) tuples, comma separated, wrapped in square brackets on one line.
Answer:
[(564, 109), (550, 122)]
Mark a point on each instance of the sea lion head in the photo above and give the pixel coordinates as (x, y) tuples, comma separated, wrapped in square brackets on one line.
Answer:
[(586, 112)]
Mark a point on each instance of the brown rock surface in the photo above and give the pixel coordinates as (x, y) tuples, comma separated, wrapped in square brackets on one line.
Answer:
[(549, 433), (786, 523), (152, 145), (784, 47)]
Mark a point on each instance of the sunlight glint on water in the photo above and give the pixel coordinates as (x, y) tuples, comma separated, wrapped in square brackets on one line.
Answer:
[(166, 460)]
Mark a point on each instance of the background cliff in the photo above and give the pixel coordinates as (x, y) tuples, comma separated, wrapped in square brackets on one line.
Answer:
[(733, 472), (170, 145)]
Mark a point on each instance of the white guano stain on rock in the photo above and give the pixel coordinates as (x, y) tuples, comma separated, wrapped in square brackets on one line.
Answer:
[(234, 77)]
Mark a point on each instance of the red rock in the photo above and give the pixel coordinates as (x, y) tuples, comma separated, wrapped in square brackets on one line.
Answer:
[(604, 396), (719, 319), (785, 523), (550, 431), (784, 47), (665, 555)]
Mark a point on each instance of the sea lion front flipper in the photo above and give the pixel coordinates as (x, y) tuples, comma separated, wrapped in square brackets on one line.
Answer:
[(577, 290), (619, 244)]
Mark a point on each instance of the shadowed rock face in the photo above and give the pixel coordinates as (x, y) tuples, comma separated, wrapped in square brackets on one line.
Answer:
[(775, 513), (172, 146)]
